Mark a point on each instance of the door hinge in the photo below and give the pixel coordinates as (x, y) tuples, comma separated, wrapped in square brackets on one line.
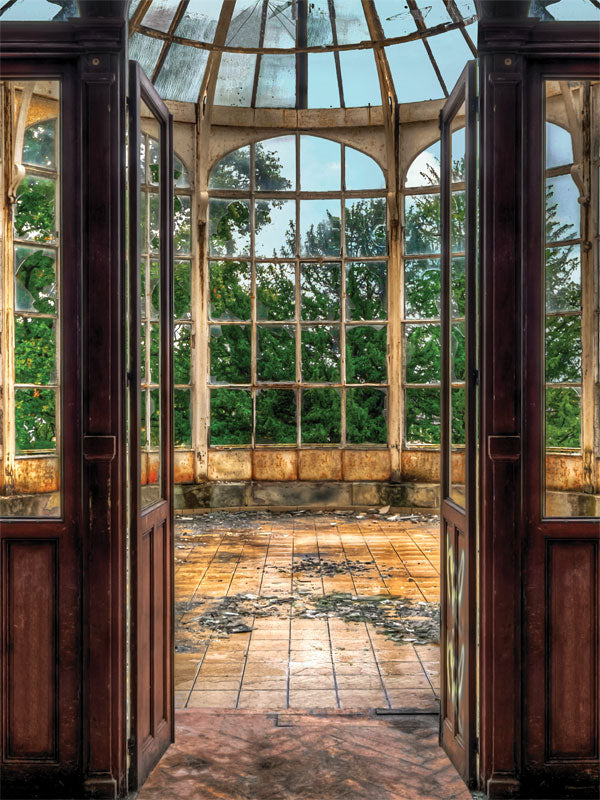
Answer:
[(131, 745)]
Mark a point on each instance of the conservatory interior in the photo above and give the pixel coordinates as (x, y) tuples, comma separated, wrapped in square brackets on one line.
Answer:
[(301, 344)]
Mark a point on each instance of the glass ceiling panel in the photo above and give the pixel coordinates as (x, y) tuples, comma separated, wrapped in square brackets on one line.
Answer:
[(160, 14), (396, 18), (451, 53), (200, 20), (407, 60), (323, 89), (244, 28), (350, 22), (276, 82), (280, 25), (236, 79), (359, 78), (181, 75), (565, 10), (39, 10), (318, 24), (145, 50)]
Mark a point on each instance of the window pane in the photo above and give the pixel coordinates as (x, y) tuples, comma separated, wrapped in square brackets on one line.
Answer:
[(181, 176), (182, 223), (458, 399), (563, 279), (154, 289), (320, 287), (154, 223), (275, 291), (366, 290), (39, 143), (154, 353), (35, 209), (229, 290), (321, 410), (366, 415), (458, 354), (276, 416), (563, 349), (559, 146), (35, 280), (275, 164), (366, 227), (182, 418), (35, 350), (230, 416), (320, 227), (362, 172), (323, 89), (563, 417), (182, 290), (276, 356), (230, 354), (458, 221), (366, 354), (232, 171), (229, 227), (155, 418), (275, 228), (423, 416), (321, 354), (320, 165), (181, 353), (423, 353), (422, 288), (422, 220), (35, 420), (562, 209), (277, 82), (459, 288)]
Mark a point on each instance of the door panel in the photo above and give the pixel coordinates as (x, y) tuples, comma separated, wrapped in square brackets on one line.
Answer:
[(150, 423), (459, 425)]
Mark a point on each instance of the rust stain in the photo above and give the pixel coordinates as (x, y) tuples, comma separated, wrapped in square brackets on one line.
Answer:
[(275, 465), (183, 467), (229, 465), (36, 475), (564, 472), (366, 465), (320, 465), (421, 466)]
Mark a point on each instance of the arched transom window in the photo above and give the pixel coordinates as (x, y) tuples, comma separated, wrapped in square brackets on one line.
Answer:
[(297, 253)]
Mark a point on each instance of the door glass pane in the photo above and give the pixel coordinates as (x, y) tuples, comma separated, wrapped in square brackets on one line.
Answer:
[(151, 366), (30, 235), (457, 352), (570, 454)]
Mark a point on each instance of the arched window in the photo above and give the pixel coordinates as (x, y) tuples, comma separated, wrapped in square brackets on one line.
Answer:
[(422, 296), (150, 272), (297, 253)]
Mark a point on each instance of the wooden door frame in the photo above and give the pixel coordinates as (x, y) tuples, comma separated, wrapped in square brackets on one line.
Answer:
[(94, 51)]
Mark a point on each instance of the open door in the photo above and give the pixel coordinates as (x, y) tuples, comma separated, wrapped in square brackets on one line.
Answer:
[(459, 424), (150, 424)]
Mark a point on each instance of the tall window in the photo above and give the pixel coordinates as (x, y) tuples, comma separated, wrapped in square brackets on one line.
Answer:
[(297, 257), (150, 300), (422, 295)]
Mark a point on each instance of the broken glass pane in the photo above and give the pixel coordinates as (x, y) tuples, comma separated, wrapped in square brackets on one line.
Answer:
[(35, 420), (321, 409), (423, 416), (35, 209), (182, 72), (563, 212), (276, 82), (422, 221), (274, 228), (451, 53), (320, 165), (230, 354), (320, 227), (230, 290), (563, 349), (321, 354), (182, 223), (563, 278), (232, 171), (422, 353), (275, 291), (362, 172), (366, 416), (320, 289), (182, 418), (39, 144), (276, 416), (407, 59), (366, 290), (563, 417), (230, 416), (422, 288), (182, 290), (323, 87), (229, 227), (396, 19), (359, 78), (366, 227), (35, 350), (366, 354), (276, 354), (35, 280), (182, 338)]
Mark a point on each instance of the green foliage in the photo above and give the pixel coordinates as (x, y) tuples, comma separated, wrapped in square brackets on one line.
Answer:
[(321, 409), (366, 354), (563, 417), (276, 357), (276, 416), (366, 416), (230, 416), (366, 290)]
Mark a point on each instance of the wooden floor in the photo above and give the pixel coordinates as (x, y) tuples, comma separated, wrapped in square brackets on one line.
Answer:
[(278, 565), (248, 755)]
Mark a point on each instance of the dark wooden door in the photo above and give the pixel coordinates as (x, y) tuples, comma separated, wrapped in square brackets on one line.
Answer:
[(459, 424), (150, 425)]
